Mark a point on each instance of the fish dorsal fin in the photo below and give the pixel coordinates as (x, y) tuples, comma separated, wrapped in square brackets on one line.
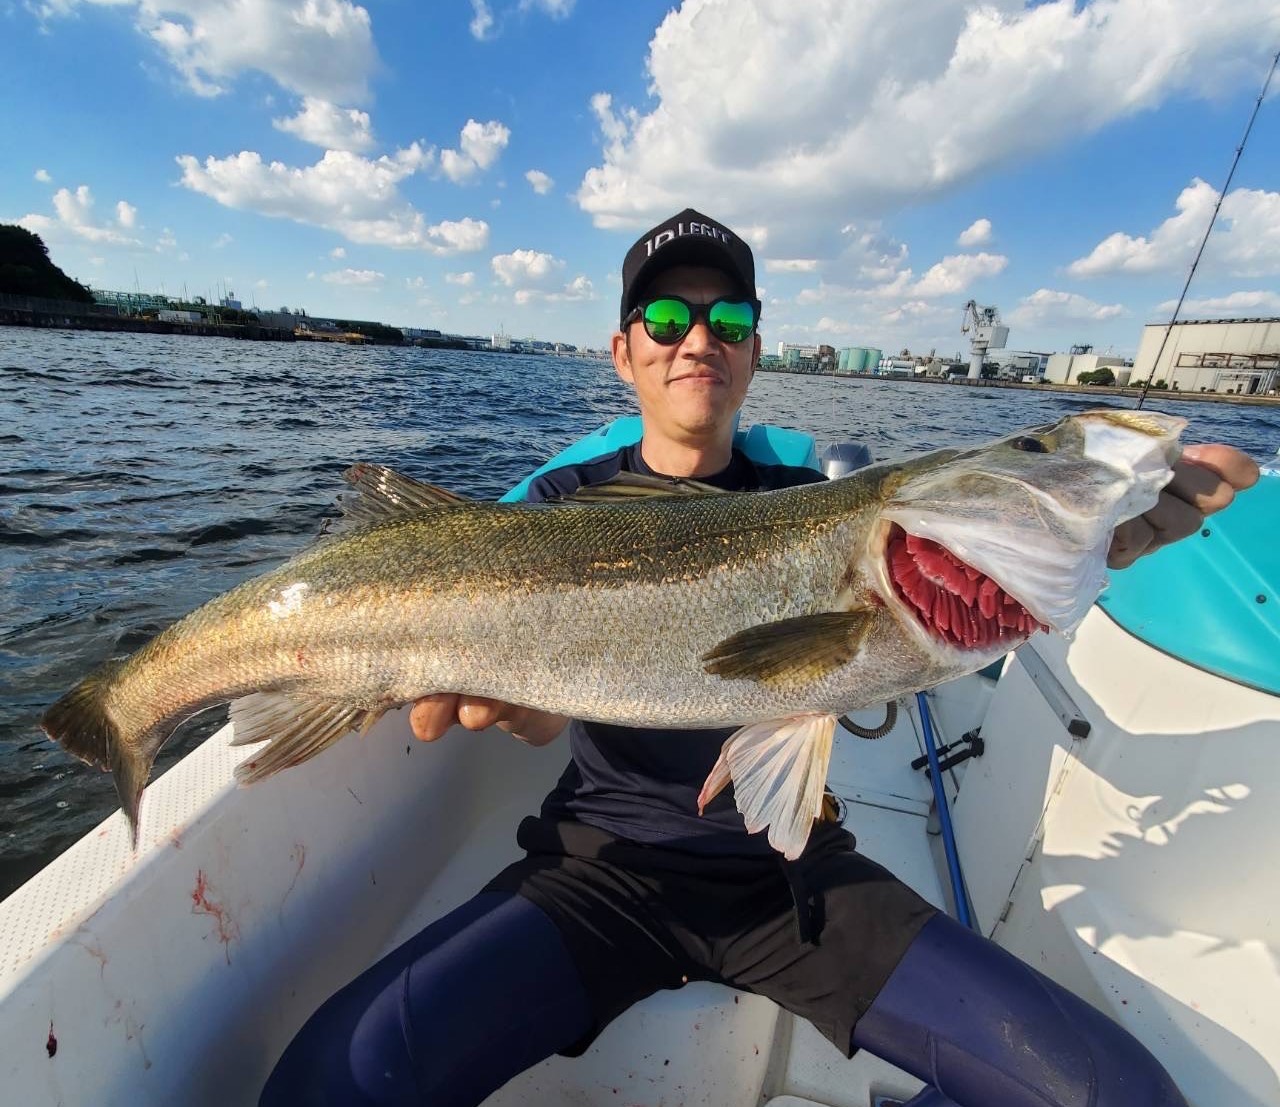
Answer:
[(629, 487), (804, 648), (379, 494)]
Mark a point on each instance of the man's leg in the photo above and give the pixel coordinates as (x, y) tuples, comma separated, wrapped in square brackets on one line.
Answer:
[(446, 1019), (983, 1027)]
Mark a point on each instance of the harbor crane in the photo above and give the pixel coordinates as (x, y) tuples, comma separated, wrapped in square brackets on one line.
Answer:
[(988, 333)]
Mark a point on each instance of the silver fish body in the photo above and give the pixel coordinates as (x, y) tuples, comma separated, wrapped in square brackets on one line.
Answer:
[(693, 610)]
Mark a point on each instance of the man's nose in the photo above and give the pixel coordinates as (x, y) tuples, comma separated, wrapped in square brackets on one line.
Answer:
[(699, 338)]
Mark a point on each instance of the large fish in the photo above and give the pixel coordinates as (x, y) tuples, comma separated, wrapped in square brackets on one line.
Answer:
[(669, 606)]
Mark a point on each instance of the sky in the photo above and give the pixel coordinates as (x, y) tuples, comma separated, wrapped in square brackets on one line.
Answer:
[(476, 166)]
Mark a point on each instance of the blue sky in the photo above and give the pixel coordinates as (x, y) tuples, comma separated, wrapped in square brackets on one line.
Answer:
[(476, 164)]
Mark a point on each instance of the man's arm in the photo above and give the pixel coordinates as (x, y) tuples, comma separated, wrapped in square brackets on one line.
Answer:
[(1205, 480)]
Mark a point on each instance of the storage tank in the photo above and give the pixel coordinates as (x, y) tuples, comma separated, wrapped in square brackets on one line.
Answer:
[(871, 363)]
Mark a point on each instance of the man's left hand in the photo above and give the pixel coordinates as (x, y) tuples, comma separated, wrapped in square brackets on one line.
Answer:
[(1205, 479)]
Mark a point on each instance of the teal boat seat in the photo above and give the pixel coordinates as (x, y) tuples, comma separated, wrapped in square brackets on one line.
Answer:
[(762, 443), (1213, 600)]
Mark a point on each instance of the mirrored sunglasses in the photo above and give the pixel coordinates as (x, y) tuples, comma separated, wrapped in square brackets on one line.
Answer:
[(668, 319)]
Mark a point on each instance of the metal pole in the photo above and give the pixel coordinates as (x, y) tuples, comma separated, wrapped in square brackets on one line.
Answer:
[(944, 815)]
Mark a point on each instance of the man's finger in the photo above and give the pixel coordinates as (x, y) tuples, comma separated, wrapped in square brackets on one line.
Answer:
[(1199, 486), (1173, 518), (1234, 466), (431, 716), (1131, 540), (476, 712)]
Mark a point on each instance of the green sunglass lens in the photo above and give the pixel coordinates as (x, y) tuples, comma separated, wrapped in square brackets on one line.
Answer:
[(666, 319), (730, 321)]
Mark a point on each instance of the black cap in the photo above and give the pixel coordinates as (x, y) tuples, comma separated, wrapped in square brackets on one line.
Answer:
[(689, 238)]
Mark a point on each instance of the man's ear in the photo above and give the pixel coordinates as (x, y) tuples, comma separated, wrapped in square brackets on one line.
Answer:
[(622, 358)]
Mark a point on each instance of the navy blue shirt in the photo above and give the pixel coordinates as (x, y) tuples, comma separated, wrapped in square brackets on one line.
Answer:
[(643, 784)]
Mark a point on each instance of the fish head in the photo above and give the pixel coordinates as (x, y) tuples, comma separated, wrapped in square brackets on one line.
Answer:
[(979, 548)]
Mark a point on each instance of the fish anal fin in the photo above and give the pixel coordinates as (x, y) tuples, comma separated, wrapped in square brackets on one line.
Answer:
[(805, 647), (630, 487), (295, 730), (379, 495), (779, 770)]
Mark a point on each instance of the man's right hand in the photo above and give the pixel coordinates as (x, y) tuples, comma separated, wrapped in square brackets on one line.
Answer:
[(432, 715)]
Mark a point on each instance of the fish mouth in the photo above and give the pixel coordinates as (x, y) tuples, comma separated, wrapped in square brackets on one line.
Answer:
[(953, 602)]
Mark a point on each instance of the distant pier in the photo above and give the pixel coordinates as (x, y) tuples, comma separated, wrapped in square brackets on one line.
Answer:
[(1101, 391)]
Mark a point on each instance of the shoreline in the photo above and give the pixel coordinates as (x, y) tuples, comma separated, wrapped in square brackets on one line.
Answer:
[(1047, 386)]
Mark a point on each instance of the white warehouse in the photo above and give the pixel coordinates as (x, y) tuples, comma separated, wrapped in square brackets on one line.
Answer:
[(1240, 356)]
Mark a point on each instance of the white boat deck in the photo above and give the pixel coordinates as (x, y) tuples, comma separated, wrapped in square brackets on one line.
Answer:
[(1120, 865)]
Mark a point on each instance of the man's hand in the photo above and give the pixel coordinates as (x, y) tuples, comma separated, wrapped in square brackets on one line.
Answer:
[(1205, 480), (431, 716)]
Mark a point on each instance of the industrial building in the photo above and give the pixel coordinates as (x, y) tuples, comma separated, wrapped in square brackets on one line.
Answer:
[(1066, 368), (1231, 356)]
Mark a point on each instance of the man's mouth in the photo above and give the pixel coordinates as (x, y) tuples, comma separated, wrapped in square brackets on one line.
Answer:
[(955, 602)]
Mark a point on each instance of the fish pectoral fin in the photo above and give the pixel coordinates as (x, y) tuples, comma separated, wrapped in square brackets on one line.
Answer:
[(779, 770), (295, 729), (806, 647), (629, 487), (379, 494)]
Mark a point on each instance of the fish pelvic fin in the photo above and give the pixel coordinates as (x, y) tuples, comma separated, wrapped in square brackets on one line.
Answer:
[(779, 770), (295, 730), (803, 648), (379, 495), (81, 723)]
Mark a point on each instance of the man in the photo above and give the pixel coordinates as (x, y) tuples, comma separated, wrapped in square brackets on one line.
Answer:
[(626, 890)]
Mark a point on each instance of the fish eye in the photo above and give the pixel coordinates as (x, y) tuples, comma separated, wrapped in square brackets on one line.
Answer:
[(1029, 445)]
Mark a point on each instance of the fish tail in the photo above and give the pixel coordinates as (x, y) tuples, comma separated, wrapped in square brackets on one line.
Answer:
[(82, 725)]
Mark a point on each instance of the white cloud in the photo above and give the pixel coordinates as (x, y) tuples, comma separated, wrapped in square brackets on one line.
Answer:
[(978, 233), (320, 48), (541, 183), (1245, 242), (557, 9), (481, 144), (222, 240), (359, 278), (535, 276), (580, 288), (338, 253), (791, 265), (1242, 304), (481, 20), (955, 272), (74, 218), (1046, 307), (526, 268), (463, 279), (42, 175), (328, 126), (791, 145), (343, 192)]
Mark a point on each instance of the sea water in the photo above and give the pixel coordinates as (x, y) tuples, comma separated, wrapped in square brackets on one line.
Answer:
[(141, 475)]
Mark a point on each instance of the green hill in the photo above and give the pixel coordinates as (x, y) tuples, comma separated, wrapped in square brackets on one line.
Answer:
[(25, 268)]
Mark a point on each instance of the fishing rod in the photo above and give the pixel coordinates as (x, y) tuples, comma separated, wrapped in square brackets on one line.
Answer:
[(1146, 385)]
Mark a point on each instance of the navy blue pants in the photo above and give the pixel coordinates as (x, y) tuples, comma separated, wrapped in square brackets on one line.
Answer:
[(491, 989)]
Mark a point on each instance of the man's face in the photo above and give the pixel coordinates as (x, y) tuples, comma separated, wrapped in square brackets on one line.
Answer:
[(693, 388)]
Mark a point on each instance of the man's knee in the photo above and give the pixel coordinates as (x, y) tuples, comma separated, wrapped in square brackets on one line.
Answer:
[(969, 1017)]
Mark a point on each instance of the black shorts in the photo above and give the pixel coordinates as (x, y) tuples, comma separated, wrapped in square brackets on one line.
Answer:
[(819, 935)]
